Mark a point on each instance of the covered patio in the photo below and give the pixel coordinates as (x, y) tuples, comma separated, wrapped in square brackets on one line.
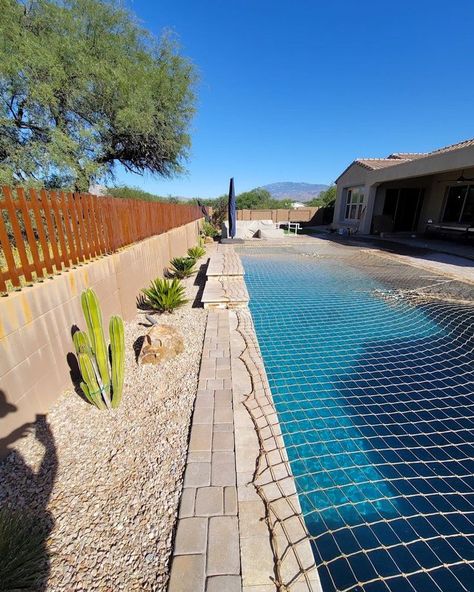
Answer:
[(412, 193)]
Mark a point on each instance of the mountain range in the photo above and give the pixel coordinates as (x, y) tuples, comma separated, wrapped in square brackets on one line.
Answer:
[(296, 191)]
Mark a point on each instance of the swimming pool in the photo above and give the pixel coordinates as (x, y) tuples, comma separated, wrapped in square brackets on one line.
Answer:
[(371, 367)]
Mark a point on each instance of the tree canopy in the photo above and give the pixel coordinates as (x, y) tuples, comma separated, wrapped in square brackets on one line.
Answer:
[(82, 88), (124, 191), (325, 198)]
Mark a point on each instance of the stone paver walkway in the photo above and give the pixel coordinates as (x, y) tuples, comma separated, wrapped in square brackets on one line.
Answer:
[(225, 286), (206, 552), (240, 527), (221, 292), (225, 262)]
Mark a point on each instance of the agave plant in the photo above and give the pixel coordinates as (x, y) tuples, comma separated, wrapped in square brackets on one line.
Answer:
[(183, 267), (23, 553), (196, 252), (165, 295)]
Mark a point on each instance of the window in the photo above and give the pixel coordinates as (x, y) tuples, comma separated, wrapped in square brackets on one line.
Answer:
[(459, 206), (354, 204)]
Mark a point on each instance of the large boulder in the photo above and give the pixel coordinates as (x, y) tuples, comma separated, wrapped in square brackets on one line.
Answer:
[(161, 343)]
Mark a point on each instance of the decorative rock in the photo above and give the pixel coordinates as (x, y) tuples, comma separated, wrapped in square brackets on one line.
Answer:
[(162, 342)]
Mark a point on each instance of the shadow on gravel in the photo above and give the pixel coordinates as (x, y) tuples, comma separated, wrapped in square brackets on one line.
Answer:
[(25, 522)]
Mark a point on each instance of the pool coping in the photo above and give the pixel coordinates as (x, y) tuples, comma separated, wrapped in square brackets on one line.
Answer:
[(265, 488), (240, 527)]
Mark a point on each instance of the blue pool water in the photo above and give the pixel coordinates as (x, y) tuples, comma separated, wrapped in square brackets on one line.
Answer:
[(374, 397)]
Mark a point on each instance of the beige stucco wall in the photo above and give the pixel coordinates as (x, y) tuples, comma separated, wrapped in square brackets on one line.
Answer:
[(36, 322), (354, 176)]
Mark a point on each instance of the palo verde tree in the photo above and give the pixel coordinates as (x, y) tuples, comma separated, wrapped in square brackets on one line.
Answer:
[(82, 88)]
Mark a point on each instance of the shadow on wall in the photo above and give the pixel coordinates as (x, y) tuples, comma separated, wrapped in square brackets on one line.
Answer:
[(25, 522), (322, 217)]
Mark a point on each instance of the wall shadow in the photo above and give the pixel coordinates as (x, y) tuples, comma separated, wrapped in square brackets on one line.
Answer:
[(24, 497), (200, 282)]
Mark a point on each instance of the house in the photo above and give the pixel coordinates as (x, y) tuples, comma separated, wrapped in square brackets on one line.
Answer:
[(296, 205), (409, 192)]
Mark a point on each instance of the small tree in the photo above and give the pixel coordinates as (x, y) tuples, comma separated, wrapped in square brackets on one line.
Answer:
[(325, 198), (253, 200)]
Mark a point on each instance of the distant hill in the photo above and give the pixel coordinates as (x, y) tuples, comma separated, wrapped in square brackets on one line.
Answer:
[(296, 191)]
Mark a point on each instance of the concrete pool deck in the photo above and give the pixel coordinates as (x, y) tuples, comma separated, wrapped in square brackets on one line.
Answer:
[(240, 526)]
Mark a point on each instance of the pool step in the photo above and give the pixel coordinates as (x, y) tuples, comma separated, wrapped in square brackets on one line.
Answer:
[(225, 292), (225, 262)]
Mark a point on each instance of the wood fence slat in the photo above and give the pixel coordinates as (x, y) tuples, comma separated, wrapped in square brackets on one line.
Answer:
[(58, 222), (78, 226), (74, 220), (19, 241), (110, 222), (94, 224), (30, 235), (95, 251), (49, 225), (87, 221), (99, 224), (81, 207), (3, 283), (12, 273), (71, 248), (40, 230)]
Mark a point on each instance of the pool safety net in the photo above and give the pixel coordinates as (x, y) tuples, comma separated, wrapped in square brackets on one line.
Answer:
[(371, 366)]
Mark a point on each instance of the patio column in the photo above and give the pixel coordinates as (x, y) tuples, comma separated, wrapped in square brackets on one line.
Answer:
[(366, 221)]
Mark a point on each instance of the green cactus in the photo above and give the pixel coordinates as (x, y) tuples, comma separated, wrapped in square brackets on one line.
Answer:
[(90, 386), (102, 381), (117, 355), (93, 317)]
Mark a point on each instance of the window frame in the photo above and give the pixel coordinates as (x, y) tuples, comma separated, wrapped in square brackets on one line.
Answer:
[(351, 205), (469, 187)]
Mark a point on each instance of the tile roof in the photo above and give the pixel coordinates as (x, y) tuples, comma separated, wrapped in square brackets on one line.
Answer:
[(407, 155), (396, 158), (379, 163), (457, 146)]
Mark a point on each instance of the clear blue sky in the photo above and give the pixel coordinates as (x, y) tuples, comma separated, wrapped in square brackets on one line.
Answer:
[(295, 90)]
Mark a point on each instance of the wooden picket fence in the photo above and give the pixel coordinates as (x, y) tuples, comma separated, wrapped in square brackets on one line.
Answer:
[(42, 233)]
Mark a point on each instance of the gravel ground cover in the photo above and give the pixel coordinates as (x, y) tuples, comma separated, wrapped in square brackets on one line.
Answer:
[(106, 485)]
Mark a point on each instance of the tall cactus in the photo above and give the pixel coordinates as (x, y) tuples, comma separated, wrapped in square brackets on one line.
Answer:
[(117, 354), (93, 317), (102, 381)]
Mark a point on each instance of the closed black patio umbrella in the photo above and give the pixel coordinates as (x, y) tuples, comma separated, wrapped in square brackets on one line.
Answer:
[(231, 206)]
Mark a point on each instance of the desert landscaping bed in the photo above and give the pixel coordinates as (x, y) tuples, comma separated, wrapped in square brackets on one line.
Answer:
[(106, 484)]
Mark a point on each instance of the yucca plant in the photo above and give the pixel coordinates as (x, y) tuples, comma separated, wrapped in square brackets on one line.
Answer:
[(23, 554), (183, 267), (196, 252), (165, 295), (102, 375)]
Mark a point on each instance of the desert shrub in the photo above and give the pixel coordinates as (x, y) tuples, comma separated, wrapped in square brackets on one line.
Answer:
[(196, 252), (183, 267), (23, 555), (165, 295), (209, 229)]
